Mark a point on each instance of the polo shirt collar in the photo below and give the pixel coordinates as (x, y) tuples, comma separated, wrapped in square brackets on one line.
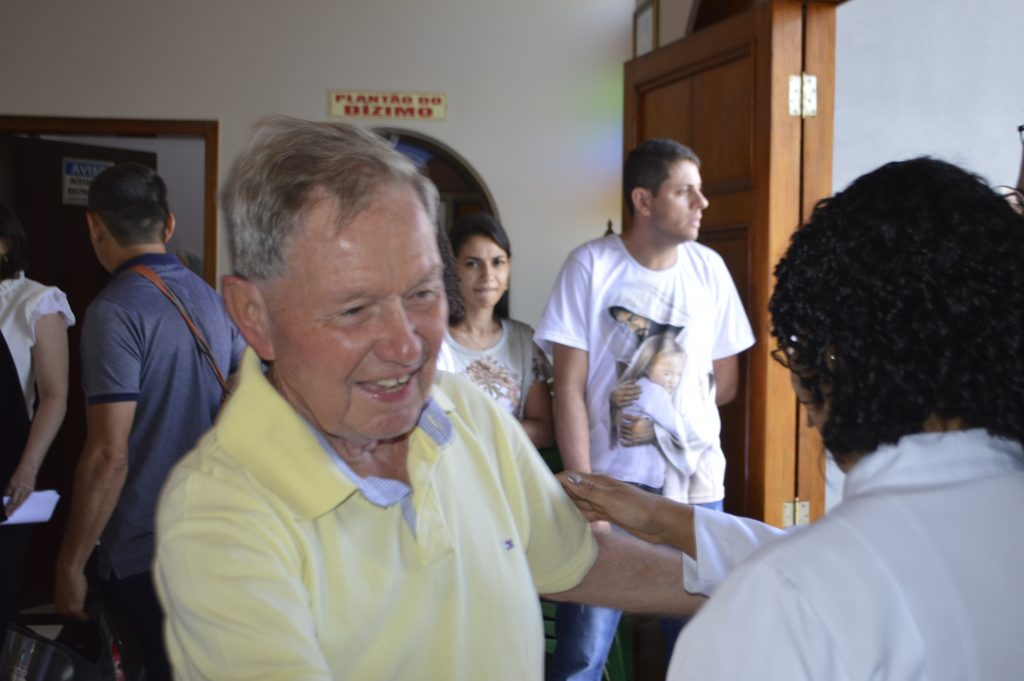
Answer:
[(260, 429), (147, 259)]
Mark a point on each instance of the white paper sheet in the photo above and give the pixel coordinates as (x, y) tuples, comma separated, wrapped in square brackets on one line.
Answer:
[(37, 508)]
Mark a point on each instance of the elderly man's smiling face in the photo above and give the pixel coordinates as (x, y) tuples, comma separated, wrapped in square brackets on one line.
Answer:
[(355, 326)]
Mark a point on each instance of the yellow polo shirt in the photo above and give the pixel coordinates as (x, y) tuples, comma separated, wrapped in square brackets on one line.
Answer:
[(271, 564)]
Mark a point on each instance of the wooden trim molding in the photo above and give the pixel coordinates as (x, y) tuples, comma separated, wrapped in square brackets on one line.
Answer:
[(209, 131)]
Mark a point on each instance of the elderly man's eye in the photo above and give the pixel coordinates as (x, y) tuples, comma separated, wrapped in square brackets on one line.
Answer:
[(353, 311)]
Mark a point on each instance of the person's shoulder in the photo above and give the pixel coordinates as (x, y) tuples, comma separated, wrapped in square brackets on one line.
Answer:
[(457, 389), (802, 555), (31, 293), (517, 327), (113, 300), (694, 250), (195, 283), (25, 287), (207, 477), (602, 247), (455, 392), (703, 260)]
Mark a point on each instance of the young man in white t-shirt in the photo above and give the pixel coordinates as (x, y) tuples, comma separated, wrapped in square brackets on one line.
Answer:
[(614, 293)]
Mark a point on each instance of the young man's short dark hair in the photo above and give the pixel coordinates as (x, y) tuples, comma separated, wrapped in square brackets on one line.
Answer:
[(649, 165), (131, 199)]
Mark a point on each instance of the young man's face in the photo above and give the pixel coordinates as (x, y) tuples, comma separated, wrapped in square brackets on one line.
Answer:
[(675, 212)]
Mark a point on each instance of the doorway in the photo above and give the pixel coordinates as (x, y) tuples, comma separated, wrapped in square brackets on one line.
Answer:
[(62, 256)]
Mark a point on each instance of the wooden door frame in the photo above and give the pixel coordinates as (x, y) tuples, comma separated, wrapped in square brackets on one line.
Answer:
[(815, 184), (208, 131)]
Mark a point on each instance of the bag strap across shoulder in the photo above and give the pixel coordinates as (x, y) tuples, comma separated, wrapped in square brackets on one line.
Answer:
[(204, 347)]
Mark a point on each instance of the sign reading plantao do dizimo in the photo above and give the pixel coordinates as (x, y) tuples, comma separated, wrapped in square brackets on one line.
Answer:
[(387, 104)]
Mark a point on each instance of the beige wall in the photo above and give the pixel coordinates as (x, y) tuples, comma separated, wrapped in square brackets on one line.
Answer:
[(534, 87)]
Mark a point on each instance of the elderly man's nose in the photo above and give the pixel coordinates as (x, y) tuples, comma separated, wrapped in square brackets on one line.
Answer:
[(398, 340)]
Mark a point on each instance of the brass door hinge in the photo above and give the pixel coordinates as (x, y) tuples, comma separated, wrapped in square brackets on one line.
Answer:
[(803, 95), (796, 512)]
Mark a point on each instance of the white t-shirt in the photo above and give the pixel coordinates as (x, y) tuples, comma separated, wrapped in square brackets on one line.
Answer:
[(22, 303), (607, 304), (915, 575), (506, 371)]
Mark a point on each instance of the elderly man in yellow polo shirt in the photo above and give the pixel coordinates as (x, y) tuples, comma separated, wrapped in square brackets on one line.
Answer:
[(352, 515)]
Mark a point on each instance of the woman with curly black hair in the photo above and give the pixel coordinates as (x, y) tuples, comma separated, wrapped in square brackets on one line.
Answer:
[(899, 310)]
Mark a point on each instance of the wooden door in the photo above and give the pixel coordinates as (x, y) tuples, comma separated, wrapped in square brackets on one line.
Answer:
[(724, 92), (60, 255)]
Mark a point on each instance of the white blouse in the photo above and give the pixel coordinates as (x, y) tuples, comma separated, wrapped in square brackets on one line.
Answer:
[(22, 303), (915, 575)]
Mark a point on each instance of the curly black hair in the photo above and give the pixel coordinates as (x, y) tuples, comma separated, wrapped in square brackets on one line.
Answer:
[(903, 298)]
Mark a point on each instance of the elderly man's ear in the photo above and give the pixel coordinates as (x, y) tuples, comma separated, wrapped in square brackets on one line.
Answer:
[(248, 309)]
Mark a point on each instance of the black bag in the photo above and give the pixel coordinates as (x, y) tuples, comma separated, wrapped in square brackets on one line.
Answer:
[(101, 649), (33, 657)]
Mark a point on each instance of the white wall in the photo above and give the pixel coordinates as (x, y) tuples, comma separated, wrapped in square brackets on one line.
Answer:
[(534, 87), (927, 77), (937, 77)]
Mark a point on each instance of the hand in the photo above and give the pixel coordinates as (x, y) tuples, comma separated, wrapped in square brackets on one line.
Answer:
[(19, 487), (625, 394), (69, 594), (635, 430), (601, 498)]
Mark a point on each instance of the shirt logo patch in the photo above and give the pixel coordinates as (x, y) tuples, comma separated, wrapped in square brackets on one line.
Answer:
[(508, 544)]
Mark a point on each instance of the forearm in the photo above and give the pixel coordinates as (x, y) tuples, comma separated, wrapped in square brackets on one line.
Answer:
[(538, 420), (672, 524), (634, 576), (99, 479), (50, 359), (572, 431), (727, 379), (48, 417)]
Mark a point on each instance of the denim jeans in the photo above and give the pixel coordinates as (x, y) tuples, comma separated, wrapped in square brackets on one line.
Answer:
[(583, 636)]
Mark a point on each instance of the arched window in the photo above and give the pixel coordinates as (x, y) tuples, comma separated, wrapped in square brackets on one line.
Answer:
[(461, 188)]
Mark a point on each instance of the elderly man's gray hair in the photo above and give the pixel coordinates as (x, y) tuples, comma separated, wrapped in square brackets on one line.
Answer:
[(288, 166)]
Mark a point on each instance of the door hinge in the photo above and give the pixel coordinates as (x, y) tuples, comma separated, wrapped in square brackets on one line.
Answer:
[(803, 95), (796, 512)]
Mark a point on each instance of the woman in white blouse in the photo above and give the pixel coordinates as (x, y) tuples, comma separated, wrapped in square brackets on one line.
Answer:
[(482, 343), (33, 365)]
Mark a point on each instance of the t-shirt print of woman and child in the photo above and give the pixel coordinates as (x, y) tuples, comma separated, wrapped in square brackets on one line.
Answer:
[(647, 423)]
